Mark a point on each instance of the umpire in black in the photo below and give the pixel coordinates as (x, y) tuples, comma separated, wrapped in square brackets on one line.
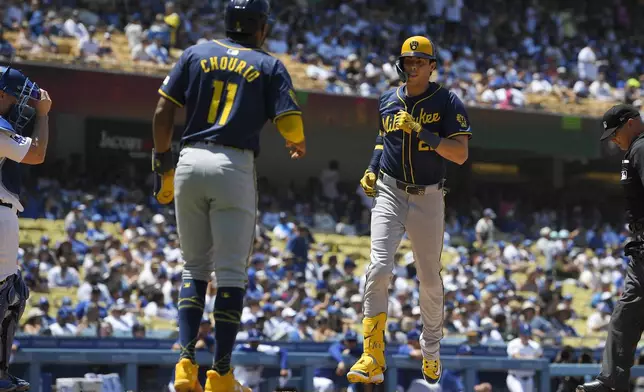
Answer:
[(623, 126)]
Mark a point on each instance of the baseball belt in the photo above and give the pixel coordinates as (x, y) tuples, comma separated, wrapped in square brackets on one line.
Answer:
[(410, 189)]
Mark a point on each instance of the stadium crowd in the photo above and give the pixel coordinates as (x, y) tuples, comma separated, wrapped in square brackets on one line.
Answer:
[(301, 288), (563, 51), (304, 286)]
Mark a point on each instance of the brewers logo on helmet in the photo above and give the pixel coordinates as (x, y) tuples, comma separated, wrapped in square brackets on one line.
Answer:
[(417, 46)]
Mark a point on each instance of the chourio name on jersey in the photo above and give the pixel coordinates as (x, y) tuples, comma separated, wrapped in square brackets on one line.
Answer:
[(232, 64)]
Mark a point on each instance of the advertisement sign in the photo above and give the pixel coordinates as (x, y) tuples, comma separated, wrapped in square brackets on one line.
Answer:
[(108, 141)]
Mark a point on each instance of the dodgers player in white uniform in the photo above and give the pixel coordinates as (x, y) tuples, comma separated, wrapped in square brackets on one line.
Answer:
[(17, 93), (523, 348), (251, 376)]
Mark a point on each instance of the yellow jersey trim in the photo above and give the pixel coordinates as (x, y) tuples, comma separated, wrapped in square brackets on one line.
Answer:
[(169, 98)]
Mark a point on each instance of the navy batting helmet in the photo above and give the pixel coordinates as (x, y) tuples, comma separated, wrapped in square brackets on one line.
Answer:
[(247, 17), (17, 85)]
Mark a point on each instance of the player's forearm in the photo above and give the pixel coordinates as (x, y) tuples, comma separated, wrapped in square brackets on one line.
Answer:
[(453, 150), (374, 163), (162, 125), (40, 139), (291, 127), (283, 354)]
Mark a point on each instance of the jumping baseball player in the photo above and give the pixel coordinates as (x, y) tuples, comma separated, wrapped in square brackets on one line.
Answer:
[(422, 124), (523, 347), (230, 88), (17, 93)]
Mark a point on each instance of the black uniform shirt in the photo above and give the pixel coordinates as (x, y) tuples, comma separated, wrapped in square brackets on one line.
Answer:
[(632, 180)]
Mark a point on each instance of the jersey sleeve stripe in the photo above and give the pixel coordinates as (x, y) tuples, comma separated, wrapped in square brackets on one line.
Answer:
[(468, 133), (379, 147), (287, 113), (169, 98)]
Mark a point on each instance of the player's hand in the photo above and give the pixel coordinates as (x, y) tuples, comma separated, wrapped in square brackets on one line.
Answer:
[(368, 183), (341, 369), (405, 122), (43, 105), (164, 187), (296, 150), (284, 373), (163, 168)]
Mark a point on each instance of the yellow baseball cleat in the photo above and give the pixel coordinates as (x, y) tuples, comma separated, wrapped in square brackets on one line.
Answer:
[(225, 383), (432, 370), (186, 376), (366, 371), (371, 366)]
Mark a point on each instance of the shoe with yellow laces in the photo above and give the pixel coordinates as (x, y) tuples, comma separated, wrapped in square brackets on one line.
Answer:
[(371, 366), (186, 376), (432, 370), (226, 383)]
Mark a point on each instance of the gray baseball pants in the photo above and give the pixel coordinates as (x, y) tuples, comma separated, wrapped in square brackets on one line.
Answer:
[(423, 217), (215, 197)]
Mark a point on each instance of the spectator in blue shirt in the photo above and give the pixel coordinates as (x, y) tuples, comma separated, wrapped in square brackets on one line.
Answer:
[(6, 50), (95, 297), (299, 245), (47, 320), (413, 351), (323, 380), (452, 380)]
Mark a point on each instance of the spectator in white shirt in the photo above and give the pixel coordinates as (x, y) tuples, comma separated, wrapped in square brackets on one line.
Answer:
[(89, 47), (581, 89), (485, 227), (599, 320), (600, 89), (539, 85), (523, 347), (62, 326), (134, 31), (587, 66), (63, 275), (73, 27), (119, 319), (329, 179), (138, 51)]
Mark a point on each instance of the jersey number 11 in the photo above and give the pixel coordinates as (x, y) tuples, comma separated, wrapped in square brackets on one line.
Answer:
[(231, 93)]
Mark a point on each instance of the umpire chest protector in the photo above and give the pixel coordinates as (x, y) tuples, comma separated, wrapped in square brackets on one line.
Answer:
[(632, 183)]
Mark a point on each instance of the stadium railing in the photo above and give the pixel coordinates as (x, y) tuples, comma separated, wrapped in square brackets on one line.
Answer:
[(307, 362)]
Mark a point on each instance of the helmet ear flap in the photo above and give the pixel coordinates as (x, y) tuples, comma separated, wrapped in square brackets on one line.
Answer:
[(400, 69)]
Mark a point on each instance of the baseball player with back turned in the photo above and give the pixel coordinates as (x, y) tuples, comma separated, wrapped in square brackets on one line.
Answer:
[(230, 88), (17, 93), (422, 124)]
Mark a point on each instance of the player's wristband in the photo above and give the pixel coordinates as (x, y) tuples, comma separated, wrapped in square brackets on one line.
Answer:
[(431, 139)]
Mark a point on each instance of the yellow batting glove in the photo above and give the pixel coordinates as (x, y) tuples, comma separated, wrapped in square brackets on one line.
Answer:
[(368, 183), (405, 122), (165, 192)]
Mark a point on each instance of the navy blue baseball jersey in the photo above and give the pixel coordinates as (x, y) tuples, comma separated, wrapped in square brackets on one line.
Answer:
[(229, 92), (405, 156)]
